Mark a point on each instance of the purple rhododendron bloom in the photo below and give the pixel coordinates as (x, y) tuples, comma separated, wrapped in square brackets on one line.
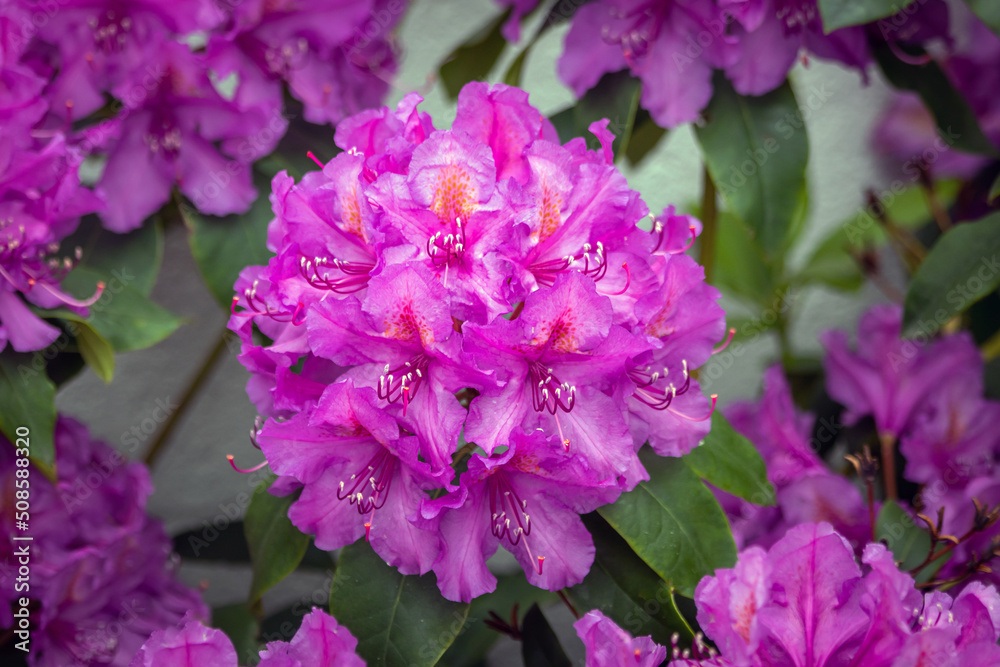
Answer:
[(610, 646), (97, 44), (894, 379), (41, 201), (482, 291), (806, 601), (806, 490), (102, 571), (360, 476), (529, 499), (168, 135), (320, 640), (673, 47), (337, 57)]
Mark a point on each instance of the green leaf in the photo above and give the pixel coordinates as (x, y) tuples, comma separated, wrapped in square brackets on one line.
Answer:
[(474, 58), (475, 639), (399, 620), (957, 124), (539, 645), (960, 269), (740, 266), (988, 12), (626, 590), (615, 97), (28, 399), (123, 316), (908, 541), (728, 461), (131, 259), (240, 626), (222, 247), (96, 351), (838, 14), (756, 152), (646, 136), (674, 523), (276, 546), (994, 191)]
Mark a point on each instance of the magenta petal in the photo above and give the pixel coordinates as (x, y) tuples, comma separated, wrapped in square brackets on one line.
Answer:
[(320, 640), (586, 56), (25, 330), (609, 646), (192, 645), (811, 621)]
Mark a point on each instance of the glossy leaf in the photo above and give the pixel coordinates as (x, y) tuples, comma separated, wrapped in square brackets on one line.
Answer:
[(728, 461), (222, 247), (240, 626), (28, 399), (276, 546), (539, 645), (907, 539), (626, 590), (474, 58), (398, 620), (960, 269), (96, 351), (123, 316), (842, 13), (741, 268), (957, 124), (757, 159), (674, 523), (475, 639), (988, 12), (615, 97), (646, 136)]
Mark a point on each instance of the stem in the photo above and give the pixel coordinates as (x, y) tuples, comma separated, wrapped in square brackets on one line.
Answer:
[(888, 442), (937, 209), (207, 366), (709, 220), (562, 595)]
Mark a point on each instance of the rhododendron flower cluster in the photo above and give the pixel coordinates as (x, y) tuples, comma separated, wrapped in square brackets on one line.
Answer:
[(927, 399), (674, 47), (320, 640), (806, 601), (102, 576), (41, 201), (194, 118), (465, 335)]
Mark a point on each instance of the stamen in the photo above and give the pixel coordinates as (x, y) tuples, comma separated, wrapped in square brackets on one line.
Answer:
[(729, 339), (248, 470), (312, 157), (694, 235), (564, 439), (356, 274), (714, 397), (628, 281), (68, 300)]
